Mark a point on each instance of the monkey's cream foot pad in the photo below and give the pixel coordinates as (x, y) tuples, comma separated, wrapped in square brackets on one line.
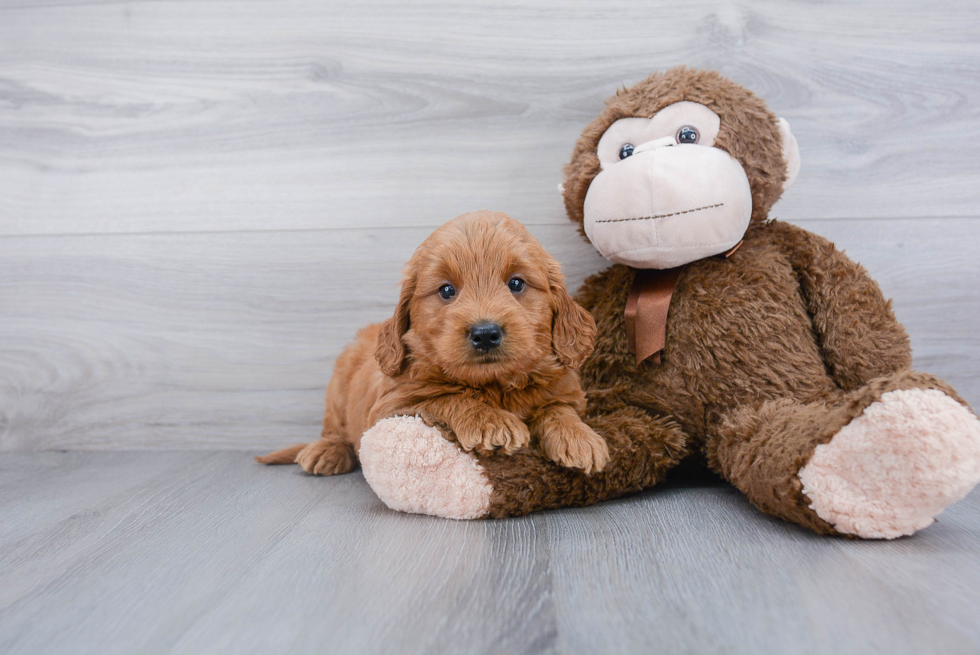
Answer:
[(893, 469), (413, 468)]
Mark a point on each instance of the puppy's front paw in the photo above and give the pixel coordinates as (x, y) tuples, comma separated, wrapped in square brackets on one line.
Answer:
[(327, 457), (575, 445), (491, 430)]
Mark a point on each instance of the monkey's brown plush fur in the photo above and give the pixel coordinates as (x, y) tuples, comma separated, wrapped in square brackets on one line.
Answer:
[(745, 380), (769, 354)]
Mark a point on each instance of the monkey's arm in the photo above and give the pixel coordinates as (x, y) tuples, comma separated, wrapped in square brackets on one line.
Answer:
[(859, 336), (641, 451)]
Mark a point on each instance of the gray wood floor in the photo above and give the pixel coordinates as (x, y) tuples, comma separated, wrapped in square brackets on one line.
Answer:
[(206, 552)]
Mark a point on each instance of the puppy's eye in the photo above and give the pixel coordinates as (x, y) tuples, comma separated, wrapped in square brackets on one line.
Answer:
[(626, 151), (516, 284), (447, 291)]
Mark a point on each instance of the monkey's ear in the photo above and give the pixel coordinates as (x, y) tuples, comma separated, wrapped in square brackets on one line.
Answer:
[(573, 329), (791, 153), (391, 352)]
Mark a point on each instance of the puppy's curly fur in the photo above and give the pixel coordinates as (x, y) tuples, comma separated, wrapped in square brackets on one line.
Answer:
[(422, 361)]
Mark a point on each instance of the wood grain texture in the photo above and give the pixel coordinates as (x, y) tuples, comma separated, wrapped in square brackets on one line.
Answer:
[(202, 116), (227, 340), (201, 202), (119, 553)]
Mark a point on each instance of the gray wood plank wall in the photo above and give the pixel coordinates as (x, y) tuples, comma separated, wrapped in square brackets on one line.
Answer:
[(201, 201)]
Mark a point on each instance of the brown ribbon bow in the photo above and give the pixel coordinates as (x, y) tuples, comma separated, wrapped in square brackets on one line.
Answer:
[(646, 309)]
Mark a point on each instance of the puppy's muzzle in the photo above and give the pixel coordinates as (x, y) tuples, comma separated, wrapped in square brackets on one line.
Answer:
[(485, 336)]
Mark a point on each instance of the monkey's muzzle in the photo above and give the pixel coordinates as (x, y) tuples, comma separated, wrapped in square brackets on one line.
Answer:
[(668, 205)]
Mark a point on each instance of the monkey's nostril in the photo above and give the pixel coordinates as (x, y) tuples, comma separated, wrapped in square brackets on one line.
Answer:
[(486, 336)]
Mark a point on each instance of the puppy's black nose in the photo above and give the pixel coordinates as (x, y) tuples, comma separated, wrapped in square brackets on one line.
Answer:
[(486, 335)]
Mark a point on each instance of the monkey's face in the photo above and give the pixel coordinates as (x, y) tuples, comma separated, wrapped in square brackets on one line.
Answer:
[(665, 196), (676, 168)]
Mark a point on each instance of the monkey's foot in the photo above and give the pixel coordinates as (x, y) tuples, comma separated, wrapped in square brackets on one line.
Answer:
[(412, 468), (894, 468)]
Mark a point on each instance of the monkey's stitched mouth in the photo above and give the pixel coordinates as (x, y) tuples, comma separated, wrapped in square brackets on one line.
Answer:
[(650, 218)]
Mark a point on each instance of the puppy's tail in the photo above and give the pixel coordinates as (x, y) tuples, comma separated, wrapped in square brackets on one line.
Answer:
[(284, 456)]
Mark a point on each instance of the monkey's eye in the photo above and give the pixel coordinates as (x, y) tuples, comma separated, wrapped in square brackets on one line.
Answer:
[(626, 150), (688, 134), (516, 285), (447, 291)]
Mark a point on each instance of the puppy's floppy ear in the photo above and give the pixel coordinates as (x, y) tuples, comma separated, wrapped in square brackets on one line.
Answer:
[(572, 328), (391, 353)]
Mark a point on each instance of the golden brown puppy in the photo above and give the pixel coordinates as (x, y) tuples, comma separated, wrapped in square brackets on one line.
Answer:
[(485, 341)]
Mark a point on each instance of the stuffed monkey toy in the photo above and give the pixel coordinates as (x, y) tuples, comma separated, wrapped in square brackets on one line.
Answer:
[(724, 336)]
